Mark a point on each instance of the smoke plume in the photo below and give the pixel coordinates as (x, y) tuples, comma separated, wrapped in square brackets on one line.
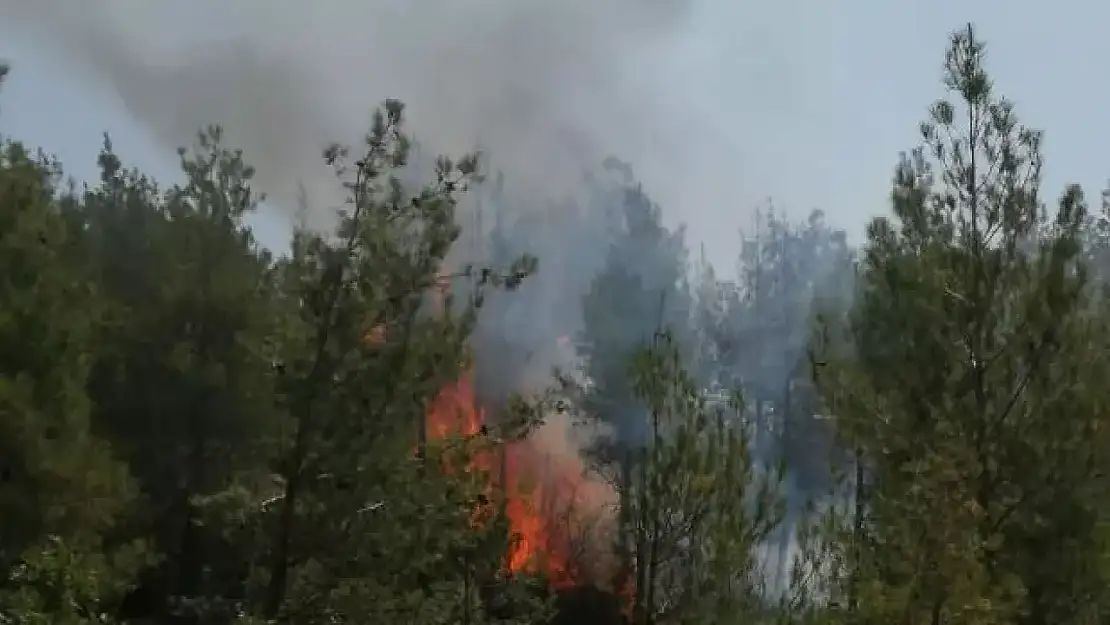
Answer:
[(548, 87)]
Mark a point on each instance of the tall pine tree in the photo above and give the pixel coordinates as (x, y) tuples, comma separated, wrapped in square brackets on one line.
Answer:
[(61, 491), (968, 383)]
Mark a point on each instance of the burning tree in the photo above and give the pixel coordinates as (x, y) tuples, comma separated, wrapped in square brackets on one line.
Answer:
[(555, 511), (360, 358)]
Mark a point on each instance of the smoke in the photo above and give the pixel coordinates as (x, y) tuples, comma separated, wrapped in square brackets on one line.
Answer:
[(547, 87), (579, 504)]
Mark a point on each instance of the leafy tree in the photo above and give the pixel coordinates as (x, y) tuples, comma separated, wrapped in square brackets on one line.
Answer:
[(60, 488), (363, 528), (182, 381), (787, 269), (967, 382), (698, 507), (641, 287), (192, 431), (753, 336)]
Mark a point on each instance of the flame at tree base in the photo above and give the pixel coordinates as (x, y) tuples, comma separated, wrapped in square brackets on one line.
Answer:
[(560, 516)]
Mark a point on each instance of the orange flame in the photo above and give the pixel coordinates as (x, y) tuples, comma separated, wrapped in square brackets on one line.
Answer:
[(543, 519), (455, 411), (544, 488)]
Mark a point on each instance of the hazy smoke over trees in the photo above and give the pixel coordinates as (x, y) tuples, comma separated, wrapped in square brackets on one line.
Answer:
[(548, 88)]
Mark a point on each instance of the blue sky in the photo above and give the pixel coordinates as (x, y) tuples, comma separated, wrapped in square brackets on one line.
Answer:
[(804, 102)]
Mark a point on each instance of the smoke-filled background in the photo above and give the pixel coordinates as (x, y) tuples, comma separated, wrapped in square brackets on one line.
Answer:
[(714, 105), (717, 104), (548, 88)]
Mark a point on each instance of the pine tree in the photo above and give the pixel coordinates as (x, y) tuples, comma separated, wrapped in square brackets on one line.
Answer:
[(966, 382), (182, 380), (641, 287), (61, 490), (753, 335), (698, 508), (373, 521)]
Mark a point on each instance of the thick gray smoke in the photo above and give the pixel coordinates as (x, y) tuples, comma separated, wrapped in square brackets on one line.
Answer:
[(547, 87)]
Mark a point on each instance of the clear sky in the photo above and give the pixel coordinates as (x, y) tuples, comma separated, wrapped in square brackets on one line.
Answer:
[(807, 102)]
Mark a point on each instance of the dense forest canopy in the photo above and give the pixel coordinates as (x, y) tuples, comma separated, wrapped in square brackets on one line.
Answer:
[(465, 405)]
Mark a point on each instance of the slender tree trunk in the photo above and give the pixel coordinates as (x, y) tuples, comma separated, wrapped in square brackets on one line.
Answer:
[(191, 557), (279, 564), (857, 535), (788, 518), (332, 280)]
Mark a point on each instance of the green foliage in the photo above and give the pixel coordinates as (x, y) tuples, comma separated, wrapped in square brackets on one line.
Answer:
[(61, 490), (640, 288), (182, 382), (194, 431), (697, 506), (358, 512), (966, 382)]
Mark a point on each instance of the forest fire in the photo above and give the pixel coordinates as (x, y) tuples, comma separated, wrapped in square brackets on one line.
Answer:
[(555, 512)]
